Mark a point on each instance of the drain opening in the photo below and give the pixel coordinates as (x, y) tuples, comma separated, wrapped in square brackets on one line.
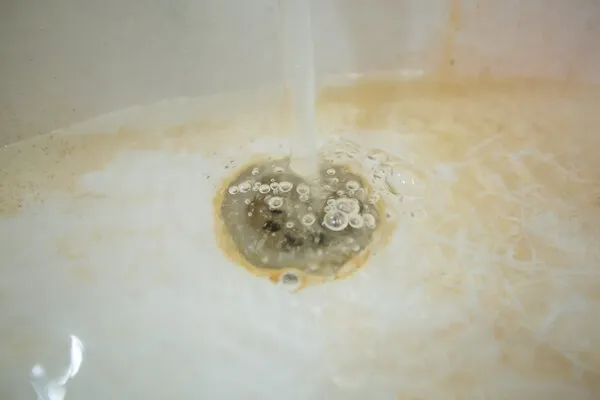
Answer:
[(278, 221)]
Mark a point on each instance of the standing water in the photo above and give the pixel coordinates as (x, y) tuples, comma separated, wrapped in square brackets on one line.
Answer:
[(299, 78)]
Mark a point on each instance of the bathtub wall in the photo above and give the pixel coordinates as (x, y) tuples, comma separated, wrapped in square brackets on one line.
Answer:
[(62, 61)]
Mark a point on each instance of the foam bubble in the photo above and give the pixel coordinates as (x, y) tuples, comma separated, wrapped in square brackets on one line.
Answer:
[(275, 203), (233, 190), (264, 189), (369, 221), (302, 189), (308, 219), (330, 171), (289, 224), (244, 187), (303, 198), (356, 221), (352, 185), (335, 221), (255, 171), (277, 169), (348, 206), (274, 186), (285, 186)]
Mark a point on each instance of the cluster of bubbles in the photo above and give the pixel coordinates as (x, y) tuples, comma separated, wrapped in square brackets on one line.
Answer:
[(263, 188), (389, 174), (345, 211)]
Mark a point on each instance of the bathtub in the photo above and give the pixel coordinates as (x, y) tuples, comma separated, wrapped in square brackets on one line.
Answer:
[(122, 124)]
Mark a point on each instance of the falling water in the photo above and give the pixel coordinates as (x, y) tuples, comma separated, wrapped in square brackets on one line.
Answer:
[(300, 85)]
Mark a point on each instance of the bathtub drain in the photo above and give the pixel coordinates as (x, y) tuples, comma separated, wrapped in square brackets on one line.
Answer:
[(280, 222)]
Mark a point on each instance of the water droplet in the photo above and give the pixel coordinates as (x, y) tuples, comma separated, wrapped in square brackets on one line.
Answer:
[(233, 190), (308, 219), (356, 221), (352, 185), (285, 186), (245, 187), (330, 171), (302, 189), (264, 189), (369, 221), (275, 203), (335, 221)]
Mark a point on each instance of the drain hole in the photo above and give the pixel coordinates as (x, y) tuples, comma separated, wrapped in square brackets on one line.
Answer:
[(289, 279), (271, 226)]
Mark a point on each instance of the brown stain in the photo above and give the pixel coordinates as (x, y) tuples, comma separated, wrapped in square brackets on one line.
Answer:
[(381, 237)]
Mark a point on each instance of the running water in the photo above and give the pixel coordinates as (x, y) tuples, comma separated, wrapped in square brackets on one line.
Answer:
[(299, 78)]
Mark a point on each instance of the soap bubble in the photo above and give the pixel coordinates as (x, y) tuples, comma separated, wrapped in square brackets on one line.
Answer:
[(245, 187), (264, 189), (308, 219), (302, 189), (348, 206), (352, 185), (285, 186), (335, 221), (369, 221), (356, 221), (275, 203)]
